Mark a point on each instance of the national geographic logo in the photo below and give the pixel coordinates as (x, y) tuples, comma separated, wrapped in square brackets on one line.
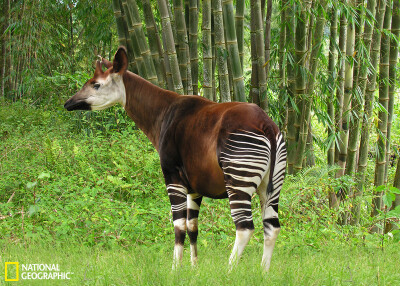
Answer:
[(12, 272)]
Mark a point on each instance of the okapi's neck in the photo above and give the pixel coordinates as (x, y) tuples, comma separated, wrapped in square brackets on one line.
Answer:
[(146, 104)]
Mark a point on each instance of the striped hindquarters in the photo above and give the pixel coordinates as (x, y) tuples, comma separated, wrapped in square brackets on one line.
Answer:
[(244, 160)]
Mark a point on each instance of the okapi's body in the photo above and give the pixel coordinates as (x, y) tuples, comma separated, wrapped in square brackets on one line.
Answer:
[(217, 150)]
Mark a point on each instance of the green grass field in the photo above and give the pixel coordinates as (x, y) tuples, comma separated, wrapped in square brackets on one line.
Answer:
[(335, 264)]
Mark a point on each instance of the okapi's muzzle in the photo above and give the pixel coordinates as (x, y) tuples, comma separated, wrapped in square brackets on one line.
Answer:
[(76, 104)]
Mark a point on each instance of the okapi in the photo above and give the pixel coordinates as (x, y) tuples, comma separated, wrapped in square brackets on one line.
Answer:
[(218, 150)]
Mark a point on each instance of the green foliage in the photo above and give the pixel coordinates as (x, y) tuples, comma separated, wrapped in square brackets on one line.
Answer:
[(94, 179), (62, 184)]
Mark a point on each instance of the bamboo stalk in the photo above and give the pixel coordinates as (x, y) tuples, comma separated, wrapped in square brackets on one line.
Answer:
[(357, 96), (122, 30), (348, 87), (358, 19), (259, 53), (382, 115), (331, 88), (135, 23), (154, 43), (232, 47), (301, 83), (168, 73), (194, 56), (282, 70), (239, 22), (207, 50), (254, 93), (340, 85), (305, 115), (169, 46), (221, 53), (394, 51), (369, 88), (267, 41), (396, 183), (368, 58), (214, 60), (132, 36), (183, 50), (291, 80), (3, 27)]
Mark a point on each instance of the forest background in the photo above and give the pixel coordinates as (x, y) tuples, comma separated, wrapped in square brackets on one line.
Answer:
[(324, 71)]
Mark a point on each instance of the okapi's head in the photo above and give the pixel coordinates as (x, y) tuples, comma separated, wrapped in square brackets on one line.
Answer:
[(105, 88)]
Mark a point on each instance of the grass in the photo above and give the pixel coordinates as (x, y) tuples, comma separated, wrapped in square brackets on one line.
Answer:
[(336, 264)]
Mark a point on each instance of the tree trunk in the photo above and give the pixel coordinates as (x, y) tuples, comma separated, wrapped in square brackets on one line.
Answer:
[(231, 43), (382, 115), (221, 53), (207, 50)]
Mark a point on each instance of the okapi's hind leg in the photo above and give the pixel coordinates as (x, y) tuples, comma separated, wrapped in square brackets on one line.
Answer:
[(245, 161), (240, 203), (178, 198), (193, 208), (268, 192)]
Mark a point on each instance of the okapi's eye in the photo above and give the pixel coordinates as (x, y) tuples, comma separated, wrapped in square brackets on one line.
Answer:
[(96, 85)]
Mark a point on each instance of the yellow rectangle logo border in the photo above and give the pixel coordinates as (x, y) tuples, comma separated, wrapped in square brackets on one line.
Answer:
[(17, 271)]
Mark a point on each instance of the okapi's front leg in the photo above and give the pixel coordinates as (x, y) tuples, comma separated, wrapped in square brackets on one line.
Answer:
[(178, 197), (193, 205)]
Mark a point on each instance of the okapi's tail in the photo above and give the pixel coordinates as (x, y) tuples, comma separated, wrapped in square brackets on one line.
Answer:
[(278, 164)]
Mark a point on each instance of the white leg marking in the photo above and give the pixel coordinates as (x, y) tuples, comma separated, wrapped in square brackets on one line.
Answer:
[(192, 225), (269, 244), (178, 249), (193, 254), (242, 238)]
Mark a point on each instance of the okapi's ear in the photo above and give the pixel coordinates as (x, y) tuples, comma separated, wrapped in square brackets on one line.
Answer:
[(98, 70), (120, 63)]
